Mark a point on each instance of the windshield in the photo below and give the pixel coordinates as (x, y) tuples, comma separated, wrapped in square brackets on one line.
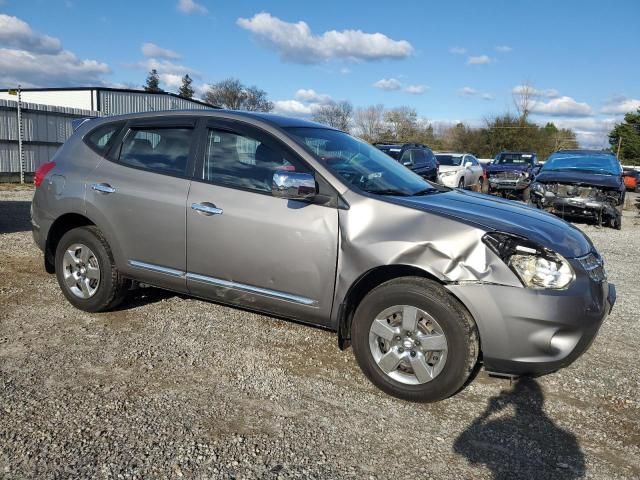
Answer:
[(452, 160), (513, 159), (359, 164), (594, 163)]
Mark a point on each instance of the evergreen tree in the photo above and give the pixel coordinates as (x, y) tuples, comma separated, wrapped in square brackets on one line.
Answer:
[(153, 82), (628, 134), (186, 90)]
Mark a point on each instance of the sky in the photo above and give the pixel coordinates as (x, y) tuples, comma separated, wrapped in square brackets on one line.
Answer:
[(451, 61)]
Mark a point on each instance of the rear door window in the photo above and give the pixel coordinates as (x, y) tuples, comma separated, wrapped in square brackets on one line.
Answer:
[(162, 150), (418, 157)]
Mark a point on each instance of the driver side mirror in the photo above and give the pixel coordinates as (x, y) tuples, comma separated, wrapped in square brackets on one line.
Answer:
[(293, 185), (468, 164)]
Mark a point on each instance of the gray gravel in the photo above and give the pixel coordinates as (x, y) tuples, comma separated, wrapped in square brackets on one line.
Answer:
[(173, 387)]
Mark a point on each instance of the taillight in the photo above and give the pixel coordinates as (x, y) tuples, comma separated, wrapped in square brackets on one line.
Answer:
[(42, 171)]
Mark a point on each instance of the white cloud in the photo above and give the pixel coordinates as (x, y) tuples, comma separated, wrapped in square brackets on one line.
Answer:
[(17, 34), (164, 66), (393, 85), (590, 132), (190, 7), (295, 42), (487, 96), (388, 84), (621, 105), (534, 92), (33, 59), (310, 95), (504, 49), (458, 50), (294, 108), (415, 89), (468, 91), (152, 50), (562, 107), (479, 60), (31, 69)]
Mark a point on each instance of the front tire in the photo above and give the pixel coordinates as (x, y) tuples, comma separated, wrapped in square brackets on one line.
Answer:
[(461, 183), (414, 340), (86, 272)]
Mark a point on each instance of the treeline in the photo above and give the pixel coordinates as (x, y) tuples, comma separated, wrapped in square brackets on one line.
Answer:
[(376, 123), (506, 132)]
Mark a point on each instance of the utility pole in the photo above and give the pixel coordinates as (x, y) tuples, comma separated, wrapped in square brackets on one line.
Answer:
[(20, 131), (619, 144)]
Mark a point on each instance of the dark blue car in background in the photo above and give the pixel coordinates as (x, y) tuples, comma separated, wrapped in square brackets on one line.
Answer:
[(581, 183), (510, 173)]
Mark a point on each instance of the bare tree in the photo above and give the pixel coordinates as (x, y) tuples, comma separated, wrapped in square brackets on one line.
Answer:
[(335, 114), (232, 94), (369, 122), (402, 123), (523, 100)]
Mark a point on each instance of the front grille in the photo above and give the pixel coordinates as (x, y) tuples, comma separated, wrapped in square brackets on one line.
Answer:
[(507, 175), (594, 266)]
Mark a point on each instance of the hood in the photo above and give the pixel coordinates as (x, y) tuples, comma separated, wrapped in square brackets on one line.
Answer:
[(495, 214), (579, 178), (450, 168), (523, 167)]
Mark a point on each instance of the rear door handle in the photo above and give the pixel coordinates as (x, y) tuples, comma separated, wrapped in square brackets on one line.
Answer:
[(103, 188), (206, 208)]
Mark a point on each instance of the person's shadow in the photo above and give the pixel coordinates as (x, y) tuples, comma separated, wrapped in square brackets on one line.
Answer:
[(525, 444)]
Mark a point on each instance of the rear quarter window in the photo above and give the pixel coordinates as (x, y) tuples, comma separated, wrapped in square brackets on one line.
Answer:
[(101, 138)]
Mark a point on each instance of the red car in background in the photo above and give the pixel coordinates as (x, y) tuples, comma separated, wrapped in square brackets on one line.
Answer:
[(631, 179)]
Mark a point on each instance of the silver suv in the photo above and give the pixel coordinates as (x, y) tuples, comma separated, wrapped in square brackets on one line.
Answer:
[(298, 220)]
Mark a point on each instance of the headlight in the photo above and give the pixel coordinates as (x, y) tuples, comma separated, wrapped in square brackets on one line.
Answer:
[(446, 174), (525, 174), (538, 188), (535, 266)]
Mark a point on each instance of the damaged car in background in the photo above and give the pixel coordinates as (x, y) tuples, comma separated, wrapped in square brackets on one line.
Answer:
[(510, 174), (581, 183)]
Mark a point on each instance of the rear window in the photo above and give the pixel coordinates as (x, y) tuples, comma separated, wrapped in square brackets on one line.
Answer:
[(514, 158), (102, 137), (393, 152)]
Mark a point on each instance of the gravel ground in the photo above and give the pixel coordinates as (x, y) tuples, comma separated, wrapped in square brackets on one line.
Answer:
[(174, 387)]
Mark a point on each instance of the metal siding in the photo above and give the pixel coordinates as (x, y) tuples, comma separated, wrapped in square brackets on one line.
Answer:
[(41, 123), (119, 103)]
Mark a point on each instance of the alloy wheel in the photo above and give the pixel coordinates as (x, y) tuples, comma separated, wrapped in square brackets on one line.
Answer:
[(81, 271), (408, 344)]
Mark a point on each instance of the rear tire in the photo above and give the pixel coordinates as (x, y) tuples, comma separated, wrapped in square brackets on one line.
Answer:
[(86, 272), (436, 314)]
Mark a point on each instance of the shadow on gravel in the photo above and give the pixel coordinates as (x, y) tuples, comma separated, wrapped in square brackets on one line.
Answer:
[(145, 296), (526, 444), (14, 216)]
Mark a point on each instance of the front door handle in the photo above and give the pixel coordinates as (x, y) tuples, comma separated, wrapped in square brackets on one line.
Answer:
[(206, 208), (103, 188)]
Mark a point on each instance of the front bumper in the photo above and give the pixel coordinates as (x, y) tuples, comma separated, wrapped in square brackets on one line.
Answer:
[(577, 206), (534, 332), (449, 180)]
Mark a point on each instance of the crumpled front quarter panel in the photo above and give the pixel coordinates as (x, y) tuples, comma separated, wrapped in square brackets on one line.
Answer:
[(376, 233)]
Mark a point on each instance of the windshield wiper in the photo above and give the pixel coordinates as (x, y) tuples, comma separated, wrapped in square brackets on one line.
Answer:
[(388, 191), (427, 191)]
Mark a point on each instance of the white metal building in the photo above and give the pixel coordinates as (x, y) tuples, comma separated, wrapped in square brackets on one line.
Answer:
[(107, 101)]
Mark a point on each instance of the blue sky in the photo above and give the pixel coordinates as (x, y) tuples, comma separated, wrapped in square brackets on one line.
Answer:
[(456, 60)]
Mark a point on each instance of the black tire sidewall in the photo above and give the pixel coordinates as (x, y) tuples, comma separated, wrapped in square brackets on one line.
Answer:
[(438, 303), (103, 296)]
